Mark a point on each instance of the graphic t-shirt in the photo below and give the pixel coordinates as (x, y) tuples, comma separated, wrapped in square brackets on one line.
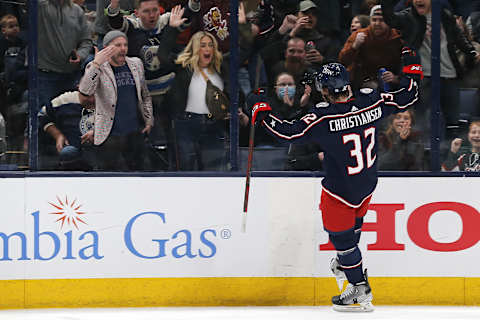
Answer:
[(126, 113)]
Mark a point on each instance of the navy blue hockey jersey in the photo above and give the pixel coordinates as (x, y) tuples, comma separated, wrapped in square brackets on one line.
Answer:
[(347, 132)]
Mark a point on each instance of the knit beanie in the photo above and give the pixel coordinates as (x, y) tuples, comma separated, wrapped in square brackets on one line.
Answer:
[(111, 35)]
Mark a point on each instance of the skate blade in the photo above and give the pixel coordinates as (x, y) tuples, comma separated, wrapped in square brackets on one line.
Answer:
[(364, 307)]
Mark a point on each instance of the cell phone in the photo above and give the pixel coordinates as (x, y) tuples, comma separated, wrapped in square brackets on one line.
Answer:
[(73, 55), (309, 46)]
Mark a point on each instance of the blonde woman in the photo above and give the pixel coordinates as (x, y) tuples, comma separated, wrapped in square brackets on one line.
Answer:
[(200, 140)]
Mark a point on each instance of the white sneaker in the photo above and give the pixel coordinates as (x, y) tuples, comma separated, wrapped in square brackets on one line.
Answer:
[(338, 272)]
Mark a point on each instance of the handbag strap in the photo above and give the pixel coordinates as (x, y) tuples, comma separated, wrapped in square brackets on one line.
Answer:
[(204, 75)]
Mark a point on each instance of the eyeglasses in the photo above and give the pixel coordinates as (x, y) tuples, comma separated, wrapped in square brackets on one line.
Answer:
[(285, 84)]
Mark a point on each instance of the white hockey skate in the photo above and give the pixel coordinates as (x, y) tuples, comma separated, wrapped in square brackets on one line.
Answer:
[(355, 298), (338, 273)]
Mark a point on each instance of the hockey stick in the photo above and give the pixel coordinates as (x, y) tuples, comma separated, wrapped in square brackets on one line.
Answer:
[(249, 170)]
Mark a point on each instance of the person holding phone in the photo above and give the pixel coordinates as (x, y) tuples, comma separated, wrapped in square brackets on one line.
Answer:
[(320, 47)]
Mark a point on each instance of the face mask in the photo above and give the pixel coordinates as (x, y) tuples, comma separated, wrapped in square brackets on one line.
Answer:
[(290, 92)]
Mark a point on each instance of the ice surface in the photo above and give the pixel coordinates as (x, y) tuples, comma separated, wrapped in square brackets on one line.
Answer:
[(245, 313)]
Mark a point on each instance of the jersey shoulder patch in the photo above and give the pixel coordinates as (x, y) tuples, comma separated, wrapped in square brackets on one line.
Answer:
[(322, 105), (366, 90)]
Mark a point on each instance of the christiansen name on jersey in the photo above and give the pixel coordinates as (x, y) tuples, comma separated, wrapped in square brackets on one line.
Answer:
[(359, 118)]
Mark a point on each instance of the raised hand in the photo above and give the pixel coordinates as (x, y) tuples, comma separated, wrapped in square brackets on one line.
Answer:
[(288, 23), (456, 144), (299, 25), (242, 17), (412, 67), (176, 15), (359, 40), (104, 55), (260, 111)]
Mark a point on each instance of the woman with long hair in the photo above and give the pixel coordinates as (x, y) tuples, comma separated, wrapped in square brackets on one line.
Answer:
[(200, 139), (400, 146)]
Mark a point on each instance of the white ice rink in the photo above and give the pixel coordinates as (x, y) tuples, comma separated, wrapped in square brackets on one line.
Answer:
[(245, 313)]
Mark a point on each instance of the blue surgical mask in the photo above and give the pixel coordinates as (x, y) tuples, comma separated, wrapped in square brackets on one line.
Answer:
[(290, 92)]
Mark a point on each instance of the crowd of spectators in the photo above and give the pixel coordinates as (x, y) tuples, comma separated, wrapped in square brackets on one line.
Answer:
[(122, 83)]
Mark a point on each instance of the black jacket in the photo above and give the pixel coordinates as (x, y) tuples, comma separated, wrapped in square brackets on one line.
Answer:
[(413, 27)]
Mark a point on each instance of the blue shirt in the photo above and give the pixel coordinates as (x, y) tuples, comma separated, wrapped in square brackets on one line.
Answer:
[(126, 111), (347, 132)]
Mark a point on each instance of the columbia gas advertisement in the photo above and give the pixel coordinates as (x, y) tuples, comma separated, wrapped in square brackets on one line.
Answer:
[(136, 227)]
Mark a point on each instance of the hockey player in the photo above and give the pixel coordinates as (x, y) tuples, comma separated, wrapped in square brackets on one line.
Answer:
[(345, 127)]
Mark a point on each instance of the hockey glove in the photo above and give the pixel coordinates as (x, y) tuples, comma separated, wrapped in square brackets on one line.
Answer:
[(412, 67), (259, 111)]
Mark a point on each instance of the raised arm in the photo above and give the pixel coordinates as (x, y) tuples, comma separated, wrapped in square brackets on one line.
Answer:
[(397, 20), (297, 131)]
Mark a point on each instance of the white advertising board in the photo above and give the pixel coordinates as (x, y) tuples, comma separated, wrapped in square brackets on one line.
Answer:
[(154, 227), (57, 228), (419, 227)]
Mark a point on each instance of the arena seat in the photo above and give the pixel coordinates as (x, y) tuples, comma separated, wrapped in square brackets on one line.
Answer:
[(264, 158)]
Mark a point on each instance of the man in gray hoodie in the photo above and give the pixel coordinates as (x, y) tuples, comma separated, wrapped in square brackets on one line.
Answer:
[(64, 43)]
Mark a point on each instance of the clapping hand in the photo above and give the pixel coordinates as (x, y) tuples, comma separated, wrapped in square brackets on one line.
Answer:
[(286, 98), (404, 131), (306, 95)]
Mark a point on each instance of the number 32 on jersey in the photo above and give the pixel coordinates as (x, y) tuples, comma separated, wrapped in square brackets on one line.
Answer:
[(358, 152)]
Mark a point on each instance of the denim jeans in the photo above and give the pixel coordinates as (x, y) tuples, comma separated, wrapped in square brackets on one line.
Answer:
[(201, 143), (121, 153)]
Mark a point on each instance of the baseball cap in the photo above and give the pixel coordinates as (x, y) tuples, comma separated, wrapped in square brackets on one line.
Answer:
[(306, 5), (376, 8)]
